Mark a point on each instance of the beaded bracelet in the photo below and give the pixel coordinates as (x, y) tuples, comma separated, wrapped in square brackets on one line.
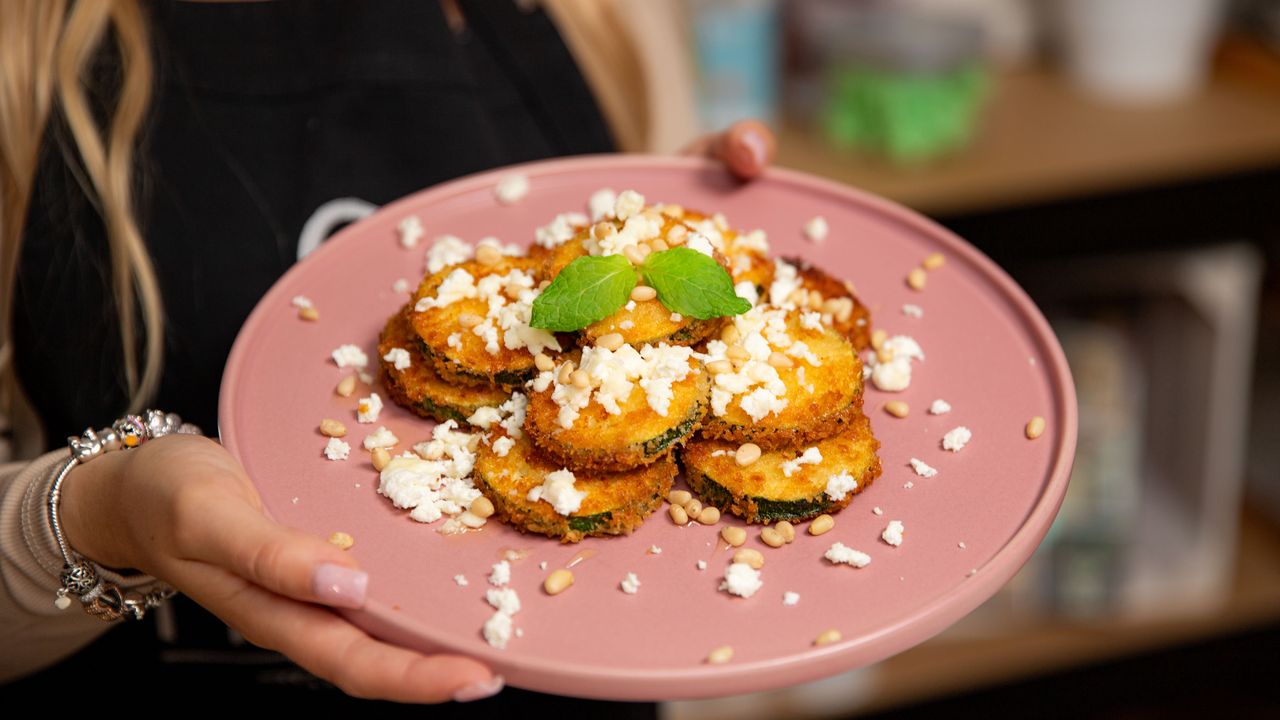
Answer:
[(82, 577)]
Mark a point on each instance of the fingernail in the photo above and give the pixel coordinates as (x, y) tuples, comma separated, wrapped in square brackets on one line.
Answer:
[(339, 586), (753, 152), (479, 690)]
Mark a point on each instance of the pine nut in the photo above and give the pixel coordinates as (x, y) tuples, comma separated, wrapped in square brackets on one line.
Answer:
[(730, 335), (543, 362), (799, 296), (737, 352), (694, 508), (717, 367), (602, 230), (488, 255), (566, 370), (544, 284), (481, 507), (779, 360), (747, 453), (821, 524), (346, 386), (610, 342), (332, 428), (469, 320), (710, 515), (342, 540), (1035, 427), (815, 299), (678, 515), (897, 408), (831, 306), (644, 250), (846, 310), (658, 245), (643, 293), (733, 535), (720, 655), (679, 497), (750, 556), (309, 313), (772, 538), (632, 254), (558, 581), (884, 355), (934, 261), (673, 211), (878, 336), (580, 379), (787, 530), (916, 279), (827, 637), (762, 373), (471, 520), (380, 458), (677, 235)]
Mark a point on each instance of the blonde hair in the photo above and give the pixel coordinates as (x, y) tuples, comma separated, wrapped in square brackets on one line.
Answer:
[(46, 48)]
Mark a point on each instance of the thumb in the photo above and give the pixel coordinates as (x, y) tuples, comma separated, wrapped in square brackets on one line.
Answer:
[(746, 148)]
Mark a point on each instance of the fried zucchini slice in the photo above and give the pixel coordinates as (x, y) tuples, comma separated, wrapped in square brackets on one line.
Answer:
[(638, 435), (821, 400), (853, 322), (650, 323), (616, 503), (466, 359), (762, 492), (418, 387), (746, 254)]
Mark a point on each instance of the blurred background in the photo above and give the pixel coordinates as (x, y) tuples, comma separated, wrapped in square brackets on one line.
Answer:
[(1121, 159)]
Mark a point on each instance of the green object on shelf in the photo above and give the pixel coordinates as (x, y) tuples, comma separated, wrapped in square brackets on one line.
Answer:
[(908, 117)]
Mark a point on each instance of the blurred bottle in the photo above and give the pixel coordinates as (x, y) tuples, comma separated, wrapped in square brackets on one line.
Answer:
[(736, 45)]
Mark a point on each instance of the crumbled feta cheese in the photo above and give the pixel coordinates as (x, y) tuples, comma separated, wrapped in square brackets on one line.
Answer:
[(922, 468), (914, 311), (506, 322), (940, 407), (810, 320), (447, 250), (840, 485), (790, 598), (892, 376), (956, 439), (436, 481), (461, 580), (497, 630), (542, 565), (454, 341), (902, 346), (961, 545), (560, 230), (401, 285), (741, 579), (557, 490), (811, 456), (350, 356), (702, 564), (511, 189), (337, 449), (655, 550), (786, 280), (630, 584), (877, 510), (677, 317), (503, 599), (701, 243), (816, 229), (747, 291), (380, 438), (908, 485), (302, 302), (893, 533), (755, 240), (502, 446), (838, 553), (410, 231), (626, 325), (368, 409), (615, 373), (500, 574), (628, 204), (631, 305), (601, 204)]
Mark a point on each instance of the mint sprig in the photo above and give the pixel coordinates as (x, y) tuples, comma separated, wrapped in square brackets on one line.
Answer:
[(592, 288)]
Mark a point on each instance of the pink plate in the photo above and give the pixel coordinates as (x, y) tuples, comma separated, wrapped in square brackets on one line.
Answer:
[(989, 353)]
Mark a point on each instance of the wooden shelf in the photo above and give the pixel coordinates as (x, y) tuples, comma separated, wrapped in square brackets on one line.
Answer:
[(1041, 140)]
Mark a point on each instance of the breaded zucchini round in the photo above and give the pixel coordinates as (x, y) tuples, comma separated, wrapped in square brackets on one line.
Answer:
[(650, 322), (853, 320), (637, 435), (459, 353), (616, 503), (418, 387), (762, 492), (820, 400)]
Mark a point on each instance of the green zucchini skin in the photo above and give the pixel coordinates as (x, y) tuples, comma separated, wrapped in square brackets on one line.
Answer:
[(758, 509), (457, 372)]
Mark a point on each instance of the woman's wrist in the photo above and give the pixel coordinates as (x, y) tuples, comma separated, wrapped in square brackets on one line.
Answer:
[(87, 510)]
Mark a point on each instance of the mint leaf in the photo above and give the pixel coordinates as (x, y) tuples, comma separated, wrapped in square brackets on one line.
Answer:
[(589, 289), (692, 284)]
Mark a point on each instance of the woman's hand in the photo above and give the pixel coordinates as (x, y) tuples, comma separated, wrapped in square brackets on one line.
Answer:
[(746, 148), (182, 509)]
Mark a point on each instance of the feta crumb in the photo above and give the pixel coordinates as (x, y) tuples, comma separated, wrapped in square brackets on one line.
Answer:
[(350, 356), (630, 584), (892, 376), (840, 485), (368, 409), (908, 485), (497, 630), (500, 574), (742, 580), (877, 510), (461, 580), (629, 203), (454, 341), (400, 286), (542, 565), (631, 305), (811, 456), (677, 317), (922, 469), (380, 438), (961, 545), (626, 325), (893, 533), (447, 250), (560, 230), (655, 550), (940, 407), (302, 302), (914, 311), (699, 242), (838, 553), (295, 498), (335, 449), (956, 439), (398, 357), (702, 564), (601, 204), (502, 446), (747, 291), (410, 231), (365, 377), (816, 229), (504, 600), (557, 490), (810, 320), (790, 598), (511, 189)]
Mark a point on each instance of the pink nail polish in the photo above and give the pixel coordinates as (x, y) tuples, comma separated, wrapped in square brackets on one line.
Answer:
[(339, 586), (753, 151), (479, 690)]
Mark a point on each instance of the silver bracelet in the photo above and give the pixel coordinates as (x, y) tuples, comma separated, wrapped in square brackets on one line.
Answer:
[(80, 576)]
